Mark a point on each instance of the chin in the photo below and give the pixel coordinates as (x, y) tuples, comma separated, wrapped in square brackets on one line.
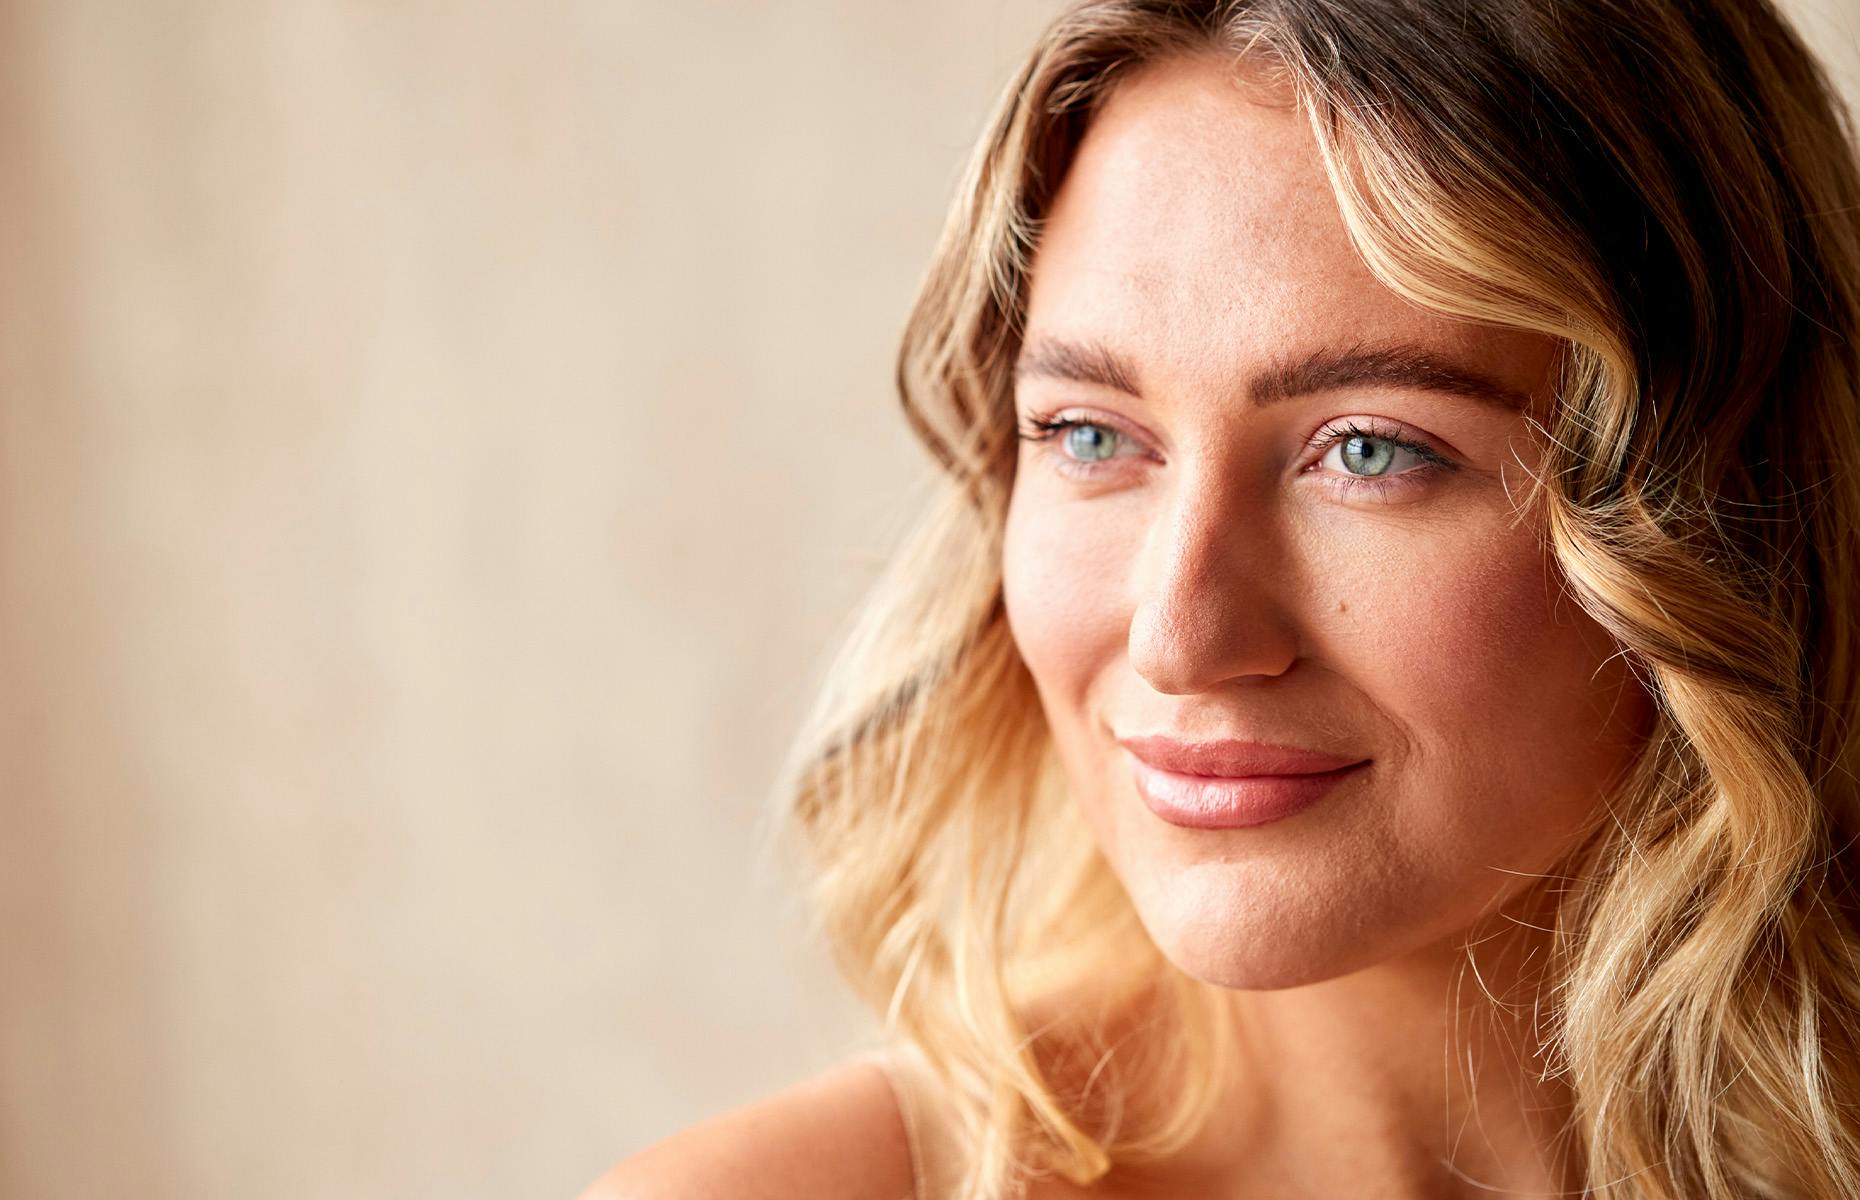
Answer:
[(1233, 928), (1262, 965)]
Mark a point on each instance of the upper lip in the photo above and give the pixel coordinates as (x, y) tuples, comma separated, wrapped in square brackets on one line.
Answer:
[(1232, 759)]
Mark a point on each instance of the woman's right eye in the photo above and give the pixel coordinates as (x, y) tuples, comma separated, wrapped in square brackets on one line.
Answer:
[(1089, 442), (1078, 444)]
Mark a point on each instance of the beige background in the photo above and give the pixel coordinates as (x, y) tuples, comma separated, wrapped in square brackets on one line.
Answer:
[(439, 446)]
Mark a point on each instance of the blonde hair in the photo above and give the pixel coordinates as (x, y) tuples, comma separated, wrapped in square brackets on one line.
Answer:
[(1669, 189)]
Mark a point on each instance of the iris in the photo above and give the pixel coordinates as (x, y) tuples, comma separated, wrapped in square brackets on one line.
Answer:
[(1368, 455)]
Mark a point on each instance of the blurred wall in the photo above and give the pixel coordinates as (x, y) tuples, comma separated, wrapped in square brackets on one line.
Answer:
[(440, 444)]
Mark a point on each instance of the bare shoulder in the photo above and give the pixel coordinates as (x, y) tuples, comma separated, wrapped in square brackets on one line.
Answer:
[(836, 1136)]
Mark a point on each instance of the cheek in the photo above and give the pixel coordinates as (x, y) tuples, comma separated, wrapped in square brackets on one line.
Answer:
[(1061, 582), (1508, 703), (1452, 624)]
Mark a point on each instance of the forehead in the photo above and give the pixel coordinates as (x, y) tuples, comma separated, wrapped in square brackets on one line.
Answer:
[(1197, 231)]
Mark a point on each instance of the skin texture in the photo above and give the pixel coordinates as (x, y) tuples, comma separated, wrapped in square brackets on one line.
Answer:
[(1219, 575)]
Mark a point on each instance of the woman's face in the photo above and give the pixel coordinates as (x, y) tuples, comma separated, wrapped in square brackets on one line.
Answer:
[(1285, 515)]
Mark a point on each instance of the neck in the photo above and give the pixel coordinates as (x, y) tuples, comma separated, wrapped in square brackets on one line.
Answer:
[(1421, 1076)]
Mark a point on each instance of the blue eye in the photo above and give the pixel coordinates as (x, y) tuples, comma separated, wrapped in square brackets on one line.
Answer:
[(1089, 442), (1372, 462), (1077, 446), (1368, 455)]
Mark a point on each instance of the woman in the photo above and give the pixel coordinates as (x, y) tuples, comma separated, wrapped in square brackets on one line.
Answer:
[(1374, 714)]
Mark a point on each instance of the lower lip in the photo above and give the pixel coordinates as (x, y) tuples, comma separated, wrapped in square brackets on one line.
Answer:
[(1232, 802)]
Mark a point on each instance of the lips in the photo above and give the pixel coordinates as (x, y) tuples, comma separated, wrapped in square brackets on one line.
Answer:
[(1232, 759), (1232, 784)]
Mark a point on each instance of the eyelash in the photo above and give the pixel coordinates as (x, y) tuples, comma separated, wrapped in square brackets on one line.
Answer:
[(1043, 428)]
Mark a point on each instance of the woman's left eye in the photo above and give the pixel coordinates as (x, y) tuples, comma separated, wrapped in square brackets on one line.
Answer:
[(1366, 454), (1365, 460)]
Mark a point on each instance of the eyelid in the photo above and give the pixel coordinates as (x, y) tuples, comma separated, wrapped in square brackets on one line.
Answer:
[(1382, 429), (1083, 416)]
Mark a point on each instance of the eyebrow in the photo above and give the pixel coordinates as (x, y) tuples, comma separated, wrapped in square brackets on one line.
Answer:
[(1399, 364), (1080, 362)]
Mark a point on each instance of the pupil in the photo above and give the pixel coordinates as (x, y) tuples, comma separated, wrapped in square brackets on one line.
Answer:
[(1367, 462)]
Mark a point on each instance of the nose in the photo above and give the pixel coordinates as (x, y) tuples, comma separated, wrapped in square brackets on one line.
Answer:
[(1211, 592)]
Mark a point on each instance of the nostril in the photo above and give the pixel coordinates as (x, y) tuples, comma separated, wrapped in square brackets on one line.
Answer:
[(1182, 648)]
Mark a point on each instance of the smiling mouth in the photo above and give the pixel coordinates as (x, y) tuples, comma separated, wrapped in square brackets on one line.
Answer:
[(1233, 801)]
